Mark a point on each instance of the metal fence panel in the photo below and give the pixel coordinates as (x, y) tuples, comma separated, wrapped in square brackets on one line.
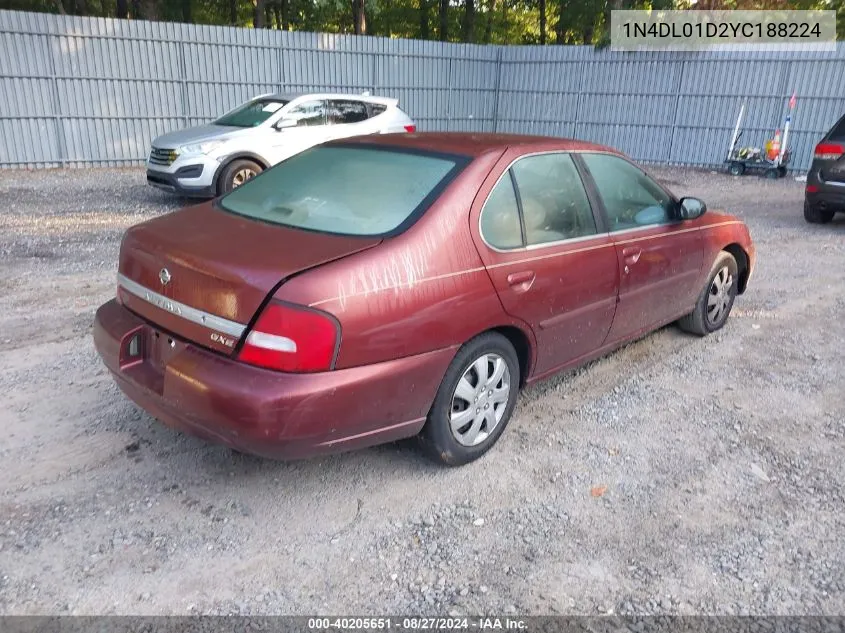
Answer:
[(80, 91)]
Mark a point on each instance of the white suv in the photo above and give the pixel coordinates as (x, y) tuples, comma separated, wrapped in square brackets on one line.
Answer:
[(210, 160)]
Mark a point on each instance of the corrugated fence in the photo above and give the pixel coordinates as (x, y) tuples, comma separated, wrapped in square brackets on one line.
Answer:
[(94, 92)]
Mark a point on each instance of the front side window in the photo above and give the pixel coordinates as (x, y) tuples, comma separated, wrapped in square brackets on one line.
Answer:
[(631, 198), (308, 114), (252, 113), (554, 203), (345, 190), (346, 112)]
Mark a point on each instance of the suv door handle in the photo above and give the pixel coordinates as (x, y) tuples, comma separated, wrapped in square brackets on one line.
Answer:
[(521, 281), (631, 254)]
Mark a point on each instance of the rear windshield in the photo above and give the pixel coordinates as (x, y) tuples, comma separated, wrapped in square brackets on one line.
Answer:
[(838, 131), (252, 113), (346, 190)]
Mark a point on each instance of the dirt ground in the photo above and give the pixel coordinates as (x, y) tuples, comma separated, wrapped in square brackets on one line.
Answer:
[(722, 457)]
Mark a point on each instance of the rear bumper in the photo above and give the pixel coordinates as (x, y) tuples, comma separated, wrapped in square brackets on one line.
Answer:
[(829, 195), (264, 412)]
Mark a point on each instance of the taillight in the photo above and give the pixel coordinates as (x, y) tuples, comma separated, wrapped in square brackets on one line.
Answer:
[(828, 151), (292, 339), (410, 129)]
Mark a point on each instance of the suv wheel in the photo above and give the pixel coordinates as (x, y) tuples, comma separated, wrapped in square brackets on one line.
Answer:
[(814, 215), (237, 173)]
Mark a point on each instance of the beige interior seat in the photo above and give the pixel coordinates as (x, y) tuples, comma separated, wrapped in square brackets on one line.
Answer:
[(537, 221)]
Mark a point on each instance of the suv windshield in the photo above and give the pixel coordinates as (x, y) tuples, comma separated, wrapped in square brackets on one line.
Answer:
[(346, 190), (252, 113)]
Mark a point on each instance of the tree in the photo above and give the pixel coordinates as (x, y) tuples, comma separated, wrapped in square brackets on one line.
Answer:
[(145, 9), (488, 26), (359, 18), (258, 14), (543, 22), (444, 20), (468, 23), (423, 19)]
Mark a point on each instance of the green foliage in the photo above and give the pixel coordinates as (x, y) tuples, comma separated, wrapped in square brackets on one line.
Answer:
[(494, 21)]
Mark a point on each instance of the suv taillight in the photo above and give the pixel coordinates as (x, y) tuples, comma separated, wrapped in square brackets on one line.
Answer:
[(410, 129), (828, 151), (292, 339)]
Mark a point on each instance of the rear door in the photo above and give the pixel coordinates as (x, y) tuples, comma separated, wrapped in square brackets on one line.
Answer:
[(830, 155), (347, 117), (552, 265), (659, 258)]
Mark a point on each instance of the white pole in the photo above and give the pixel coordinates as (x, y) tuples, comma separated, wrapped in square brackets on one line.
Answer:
[(736, 130), (786, 130)]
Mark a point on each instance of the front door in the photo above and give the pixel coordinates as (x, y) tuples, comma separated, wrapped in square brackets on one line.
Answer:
[(659, 257), (310, 130), (549, 263)]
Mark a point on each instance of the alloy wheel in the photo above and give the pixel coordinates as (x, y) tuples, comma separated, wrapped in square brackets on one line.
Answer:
[(241, 176)]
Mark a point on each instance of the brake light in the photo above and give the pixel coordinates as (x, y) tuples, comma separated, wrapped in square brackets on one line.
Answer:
[(292, 339), (811, 189), (410, 129), (828, 151)]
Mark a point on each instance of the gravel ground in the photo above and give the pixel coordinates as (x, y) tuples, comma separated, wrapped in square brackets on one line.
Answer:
[(721, 457)]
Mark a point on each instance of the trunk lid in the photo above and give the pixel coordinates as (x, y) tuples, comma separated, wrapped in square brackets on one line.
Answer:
[(202, 274)]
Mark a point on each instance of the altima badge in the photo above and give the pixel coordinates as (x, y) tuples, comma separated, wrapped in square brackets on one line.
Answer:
[(164, 276)]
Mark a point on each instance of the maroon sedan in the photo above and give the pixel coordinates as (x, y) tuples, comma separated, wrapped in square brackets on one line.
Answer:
[(370, 290)]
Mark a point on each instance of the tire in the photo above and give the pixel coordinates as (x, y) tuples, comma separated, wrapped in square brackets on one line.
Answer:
[(736, 168), (782, 172), (814, 215), (716, 299), (236, 173), (472, 439), (771, 173)]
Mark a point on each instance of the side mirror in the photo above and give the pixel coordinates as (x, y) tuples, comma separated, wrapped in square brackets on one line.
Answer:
[(691, 208), (283, 124)]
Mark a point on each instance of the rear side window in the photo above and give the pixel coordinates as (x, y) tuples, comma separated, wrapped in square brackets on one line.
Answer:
[(838, 130), (347, 111), (554, 203), (346, 190), (500, 224), (377, 108)]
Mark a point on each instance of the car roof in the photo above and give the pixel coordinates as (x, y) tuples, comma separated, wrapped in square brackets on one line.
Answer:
[(282, 96), (475, 144)]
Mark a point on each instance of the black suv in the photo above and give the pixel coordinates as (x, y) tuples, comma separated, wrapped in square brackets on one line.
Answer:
[(825, 192)]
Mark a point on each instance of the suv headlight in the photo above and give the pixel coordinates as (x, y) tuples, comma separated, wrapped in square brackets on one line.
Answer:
[(200, 148)]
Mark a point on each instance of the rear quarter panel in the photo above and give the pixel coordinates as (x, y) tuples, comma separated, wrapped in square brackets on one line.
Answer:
[(421, 291)]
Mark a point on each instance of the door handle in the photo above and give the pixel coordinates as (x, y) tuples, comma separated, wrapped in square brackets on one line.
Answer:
[(521, 281), (632, 254)]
